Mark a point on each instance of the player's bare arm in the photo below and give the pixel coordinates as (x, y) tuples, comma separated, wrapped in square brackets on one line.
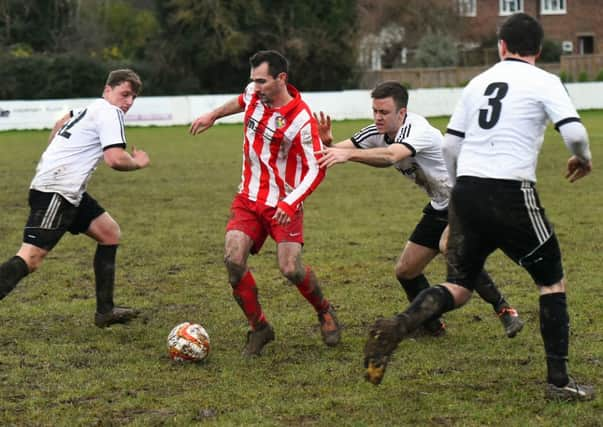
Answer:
[(326, 135), (207, 120), (119, 159), (58, 125), (380, 157)]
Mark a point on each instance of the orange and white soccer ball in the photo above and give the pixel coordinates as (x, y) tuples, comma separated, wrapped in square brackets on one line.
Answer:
[(188, 342)]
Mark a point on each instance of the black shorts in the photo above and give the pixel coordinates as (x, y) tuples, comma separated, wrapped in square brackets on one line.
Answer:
[(489, 214), (430, 228), (51, 215)]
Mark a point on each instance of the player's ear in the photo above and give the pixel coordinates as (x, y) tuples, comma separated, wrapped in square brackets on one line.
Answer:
[(402, 112), (502, 48)]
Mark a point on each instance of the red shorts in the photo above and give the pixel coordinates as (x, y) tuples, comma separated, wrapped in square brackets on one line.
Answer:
[(255, 220)]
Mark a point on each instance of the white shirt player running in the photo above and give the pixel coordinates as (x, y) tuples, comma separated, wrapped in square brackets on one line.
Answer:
[(517, 99), (75, 151), (426, 166)]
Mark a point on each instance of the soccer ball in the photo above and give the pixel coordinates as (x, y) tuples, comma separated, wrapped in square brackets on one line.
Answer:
[(188, 342)]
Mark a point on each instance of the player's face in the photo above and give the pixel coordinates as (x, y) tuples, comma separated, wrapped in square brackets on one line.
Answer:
[(122, 96), (267, 87), (387, 117)]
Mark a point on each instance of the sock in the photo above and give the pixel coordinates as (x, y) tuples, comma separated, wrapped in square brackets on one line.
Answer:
[(554, 328), (430, 303), (104, 274), (11, 272), (311, 291), (487, 290), (413, 287), (246, 294)]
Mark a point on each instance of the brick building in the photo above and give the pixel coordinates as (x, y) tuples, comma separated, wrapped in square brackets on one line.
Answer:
[(576, 24)]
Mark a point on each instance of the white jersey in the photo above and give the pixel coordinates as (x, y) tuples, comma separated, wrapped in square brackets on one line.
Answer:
[(426, 166), (502, 116), (73, 154)]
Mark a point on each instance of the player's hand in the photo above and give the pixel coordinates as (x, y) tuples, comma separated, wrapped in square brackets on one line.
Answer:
[(332, 156), (202, 123), (324, 128), (281, 217), (577, 168), (140, 157)]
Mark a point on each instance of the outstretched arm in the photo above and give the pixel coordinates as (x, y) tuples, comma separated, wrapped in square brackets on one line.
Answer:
[(207, 120), (379, 156)]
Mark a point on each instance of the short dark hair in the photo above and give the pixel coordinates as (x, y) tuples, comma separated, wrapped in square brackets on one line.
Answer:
[(522, 34), (391, 89), (117, 77), (277, 63)]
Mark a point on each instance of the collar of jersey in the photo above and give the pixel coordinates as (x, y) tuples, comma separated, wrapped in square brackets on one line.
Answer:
[(291, 104), (517, 60)]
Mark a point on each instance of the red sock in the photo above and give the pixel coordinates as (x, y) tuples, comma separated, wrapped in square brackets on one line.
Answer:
[(246, 295), (311, 291)]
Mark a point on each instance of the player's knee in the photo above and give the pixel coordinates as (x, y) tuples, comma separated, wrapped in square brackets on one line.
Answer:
[(114, 235), (235, 268), (32, 259), (292, 272), (404, 271)]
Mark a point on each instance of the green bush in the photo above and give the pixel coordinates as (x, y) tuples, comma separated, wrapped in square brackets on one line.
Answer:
[(599, 77), (65, 76), (565, 77), (583, 76), (551, 51)]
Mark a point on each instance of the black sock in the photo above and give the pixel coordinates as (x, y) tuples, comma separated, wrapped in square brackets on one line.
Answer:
[(11, 272), (554, 328), (431, 303), (413, 287), (487, 290), (104, 274)]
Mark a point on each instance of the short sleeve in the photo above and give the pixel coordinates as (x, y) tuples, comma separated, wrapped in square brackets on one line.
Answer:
[(111, 128), (558, 105)]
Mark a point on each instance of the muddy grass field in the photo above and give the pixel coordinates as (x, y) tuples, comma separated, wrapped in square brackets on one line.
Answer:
[(58, 369)]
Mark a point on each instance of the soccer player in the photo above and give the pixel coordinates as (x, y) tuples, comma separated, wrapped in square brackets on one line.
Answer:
[(491, 148), (279, 171), (58, 198), (408, 142)]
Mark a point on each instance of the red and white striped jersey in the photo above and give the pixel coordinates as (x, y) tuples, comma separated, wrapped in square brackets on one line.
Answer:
[(279, 164)]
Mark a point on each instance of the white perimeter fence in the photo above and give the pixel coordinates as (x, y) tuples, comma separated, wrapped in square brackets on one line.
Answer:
[(181, 110)]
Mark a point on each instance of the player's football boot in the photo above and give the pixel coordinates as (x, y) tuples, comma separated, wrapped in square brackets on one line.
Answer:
[(256, 340), (383, 339), (511, 321), (570, 392), (329, 327), (116, 315)]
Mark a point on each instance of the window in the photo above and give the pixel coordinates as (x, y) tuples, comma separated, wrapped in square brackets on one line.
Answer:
[(509, 7), (553, 7), (586, 45), (467, 7)]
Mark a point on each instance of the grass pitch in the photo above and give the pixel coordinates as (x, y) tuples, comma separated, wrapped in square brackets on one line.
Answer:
[(58, 369)]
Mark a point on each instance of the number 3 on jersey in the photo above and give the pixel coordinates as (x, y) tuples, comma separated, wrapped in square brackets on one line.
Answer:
[(64, 132), (488, 117)]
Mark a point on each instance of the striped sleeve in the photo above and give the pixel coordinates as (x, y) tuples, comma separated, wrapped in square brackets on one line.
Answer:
[(367, 137), (308, 143)]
